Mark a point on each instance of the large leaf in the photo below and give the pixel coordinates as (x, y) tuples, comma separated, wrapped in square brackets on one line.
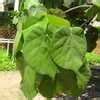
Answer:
[(66, 82), (71, 82), (36, 51), (54, 50), (47, 87), (37, 46), (29, 83), (69, 48)]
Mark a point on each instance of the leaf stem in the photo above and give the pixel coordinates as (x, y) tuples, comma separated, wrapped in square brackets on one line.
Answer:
[(77, 7)]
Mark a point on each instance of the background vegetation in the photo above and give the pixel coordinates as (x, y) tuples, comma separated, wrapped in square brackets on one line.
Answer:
[(6, 63)]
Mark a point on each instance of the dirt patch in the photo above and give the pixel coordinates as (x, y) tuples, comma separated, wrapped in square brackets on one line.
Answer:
[(10, 87), (97, 49)]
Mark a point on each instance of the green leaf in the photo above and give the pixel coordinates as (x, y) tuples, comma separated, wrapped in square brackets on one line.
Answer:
[(55, 51), (83, 76), (66, 82), (31, 20), (30, 3), (47, 87), (28, 85), (37, 10), (36, 49), (91, 12), (96, 2), (69, 48), (93, 58), (20, 63), (37, 46), (72, 83), (18, 39), (57, 21)]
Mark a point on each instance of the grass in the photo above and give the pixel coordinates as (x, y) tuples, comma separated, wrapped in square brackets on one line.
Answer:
[(6, 63), (93, 58)]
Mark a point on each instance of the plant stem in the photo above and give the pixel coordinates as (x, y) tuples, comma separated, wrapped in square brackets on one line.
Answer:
[(77, 7)]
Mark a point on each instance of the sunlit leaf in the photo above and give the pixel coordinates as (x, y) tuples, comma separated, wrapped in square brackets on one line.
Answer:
[(69, 48), (96, 2)]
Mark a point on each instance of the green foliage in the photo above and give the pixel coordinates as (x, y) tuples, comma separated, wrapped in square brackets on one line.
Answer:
[(57, 12), (93, 58), (42, 43), (96, 2), (49, 52), (48, 47), (67, 46), (91, 12), (29, 81), (6, 63), (29, 3)]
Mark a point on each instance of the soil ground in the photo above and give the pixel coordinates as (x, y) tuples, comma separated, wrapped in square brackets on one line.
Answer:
[(10, 87), (97, 49)]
